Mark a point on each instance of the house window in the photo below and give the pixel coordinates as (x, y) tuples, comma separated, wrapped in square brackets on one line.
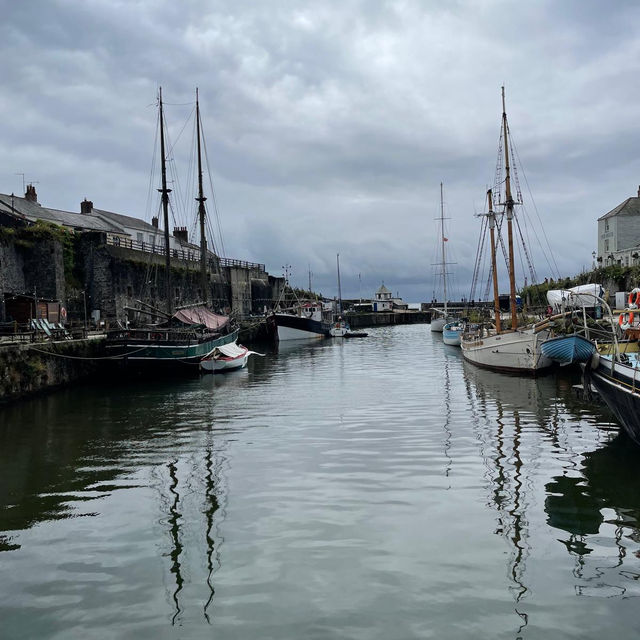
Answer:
[(606, 245), (139, 237), (606, 225)]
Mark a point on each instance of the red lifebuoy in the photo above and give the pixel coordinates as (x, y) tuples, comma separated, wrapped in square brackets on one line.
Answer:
[(63, 313), (625, 320)]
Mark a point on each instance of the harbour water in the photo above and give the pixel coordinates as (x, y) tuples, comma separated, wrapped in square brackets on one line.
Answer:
[(365, 489)]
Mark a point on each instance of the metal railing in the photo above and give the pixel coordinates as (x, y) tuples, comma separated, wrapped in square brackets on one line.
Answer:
[(192, 255)]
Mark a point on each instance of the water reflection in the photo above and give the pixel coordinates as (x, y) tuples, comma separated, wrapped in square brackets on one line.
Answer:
[(599, 508)]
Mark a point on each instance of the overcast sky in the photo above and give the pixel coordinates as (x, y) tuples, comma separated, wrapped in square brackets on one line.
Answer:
[(330, 124)]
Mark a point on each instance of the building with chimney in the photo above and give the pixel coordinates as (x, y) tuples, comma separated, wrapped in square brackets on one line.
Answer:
[(619, 234)]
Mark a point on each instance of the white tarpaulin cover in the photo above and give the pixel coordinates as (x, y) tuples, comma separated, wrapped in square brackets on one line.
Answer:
[(231, 350), (581, 296)]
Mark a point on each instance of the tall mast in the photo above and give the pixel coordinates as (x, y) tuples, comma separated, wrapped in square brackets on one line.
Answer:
[(496, 291), (509, 208), (339, 288), (165, 210), (201, 211), (443, 240)]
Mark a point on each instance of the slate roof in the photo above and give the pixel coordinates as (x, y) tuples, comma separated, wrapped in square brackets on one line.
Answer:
[(125, 221), (383, 289), (33, 211), (630, 207)]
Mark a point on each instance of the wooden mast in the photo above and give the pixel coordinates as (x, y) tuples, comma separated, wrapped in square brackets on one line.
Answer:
[(509, 209), (201, 212), (165, 210), (496, 291), (443, 240)]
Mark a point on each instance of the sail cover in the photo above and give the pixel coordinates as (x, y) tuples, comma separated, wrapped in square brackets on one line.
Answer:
[(202, 315)]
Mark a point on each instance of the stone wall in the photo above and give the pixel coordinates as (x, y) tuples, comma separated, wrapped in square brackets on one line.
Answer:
[(28, 369), (29, 266), (111, 278)]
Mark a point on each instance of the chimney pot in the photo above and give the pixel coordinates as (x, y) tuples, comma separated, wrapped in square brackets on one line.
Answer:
[(154, 221), (30, 194), (86, 206)]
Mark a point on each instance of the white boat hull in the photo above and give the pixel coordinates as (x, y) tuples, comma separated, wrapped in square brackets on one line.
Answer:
[(452, 338), (224, 365), (516, 352), (289, 333), (437, 324)]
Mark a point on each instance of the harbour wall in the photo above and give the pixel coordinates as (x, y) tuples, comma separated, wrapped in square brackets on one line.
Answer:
[(381, 318), (27, 369), (89, 275)]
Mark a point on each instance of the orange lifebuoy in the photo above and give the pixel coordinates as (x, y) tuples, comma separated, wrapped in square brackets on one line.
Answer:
[(625, 320), (634, 298)]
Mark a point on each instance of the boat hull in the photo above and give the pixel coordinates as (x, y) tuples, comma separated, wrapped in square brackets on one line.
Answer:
[(167, 354), (619, 392), (452, 334), (512, 352), (437, 324), (568, 349), (292, 327), (212, 365)]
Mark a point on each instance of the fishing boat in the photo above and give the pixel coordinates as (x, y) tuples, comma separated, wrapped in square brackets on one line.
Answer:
[(441, 316), (518, 349), (452, 333), (178, 339), (225, 358), (303, 321)]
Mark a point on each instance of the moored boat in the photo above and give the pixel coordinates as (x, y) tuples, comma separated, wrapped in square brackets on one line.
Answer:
[(518, 349), (568, 349), (305, 321), (225, 358), (452, 333), (617, 379), (441, 316), (177, 341)]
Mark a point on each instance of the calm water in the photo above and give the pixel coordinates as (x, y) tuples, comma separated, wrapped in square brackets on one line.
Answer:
[(365, 489)]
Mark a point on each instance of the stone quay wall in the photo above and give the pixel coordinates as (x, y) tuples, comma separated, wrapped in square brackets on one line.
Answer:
[(27, 369)]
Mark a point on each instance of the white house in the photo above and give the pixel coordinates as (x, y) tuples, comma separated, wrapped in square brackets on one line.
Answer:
[(382, 300), (619, 234)]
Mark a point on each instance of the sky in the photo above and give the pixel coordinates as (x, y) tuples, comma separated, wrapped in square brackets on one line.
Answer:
[(330, 124)]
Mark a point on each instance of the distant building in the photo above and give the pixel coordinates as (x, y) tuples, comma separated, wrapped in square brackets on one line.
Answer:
[(382, 300), (619, 234)]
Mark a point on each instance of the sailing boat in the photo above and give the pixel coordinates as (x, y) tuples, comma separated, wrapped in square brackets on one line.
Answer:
[(438, 322), (339, 327), (516, 350), (190, 333)]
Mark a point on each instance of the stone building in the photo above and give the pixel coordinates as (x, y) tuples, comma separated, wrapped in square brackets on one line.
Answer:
[(619, 234), (118, 260)]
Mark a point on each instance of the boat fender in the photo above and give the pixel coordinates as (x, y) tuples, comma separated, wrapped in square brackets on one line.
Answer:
[(634, 298), (625, 320), (595, 360)]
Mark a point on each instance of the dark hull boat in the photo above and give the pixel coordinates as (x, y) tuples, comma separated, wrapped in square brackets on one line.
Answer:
[(164, 349), (182, 339), (568, 349), (618, 383)]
